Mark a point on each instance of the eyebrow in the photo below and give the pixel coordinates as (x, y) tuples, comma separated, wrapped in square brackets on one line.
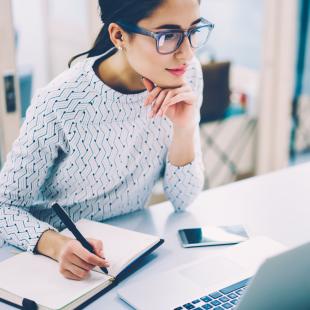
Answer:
[(173, 26)]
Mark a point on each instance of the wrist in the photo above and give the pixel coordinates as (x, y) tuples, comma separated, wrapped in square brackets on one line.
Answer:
[(184, 134), (51, 243), (188, 129), (181, 151)]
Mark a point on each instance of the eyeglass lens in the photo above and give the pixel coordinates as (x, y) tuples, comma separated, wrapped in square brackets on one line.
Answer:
[(168, 42)]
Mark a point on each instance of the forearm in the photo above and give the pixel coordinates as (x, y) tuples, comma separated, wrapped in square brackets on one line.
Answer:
[(183, 179), (182, 148), (50, 244)]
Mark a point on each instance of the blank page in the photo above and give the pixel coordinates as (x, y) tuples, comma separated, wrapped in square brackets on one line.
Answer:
[(121, 246), (37, 277)]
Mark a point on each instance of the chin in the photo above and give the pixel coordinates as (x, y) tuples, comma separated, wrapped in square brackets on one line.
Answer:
[(174, 84)]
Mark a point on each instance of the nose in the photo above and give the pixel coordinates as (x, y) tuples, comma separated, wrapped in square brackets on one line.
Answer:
[(185, 51)]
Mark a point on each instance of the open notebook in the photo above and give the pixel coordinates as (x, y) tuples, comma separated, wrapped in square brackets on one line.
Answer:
[(28, 279)]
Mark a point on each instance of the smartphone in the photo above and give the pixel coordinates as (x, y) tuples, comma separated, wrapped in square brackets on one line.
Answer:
[(212, 235)]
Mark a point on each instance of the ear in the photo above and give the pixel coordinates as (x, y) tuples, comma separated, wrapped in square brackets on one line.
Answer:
[(117, 35)]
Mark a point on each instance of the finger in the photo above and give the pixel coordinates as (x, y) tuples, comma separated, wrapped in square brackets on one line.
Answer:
[(69, 275), (176, 91), (166, 101), (81, 263), (158, 102), (97, 246), (156, 90), (77, 271), (90, 258), (153, 94), (148, 83), (188, 98)]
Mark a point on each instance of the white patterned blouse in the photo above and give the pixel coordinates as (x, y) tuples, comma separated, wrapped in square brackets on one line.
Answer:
[(94, 151)]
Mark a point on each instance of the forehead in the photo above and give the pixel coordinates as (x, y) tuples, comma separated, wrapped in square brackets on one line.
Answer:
[(178, 12)]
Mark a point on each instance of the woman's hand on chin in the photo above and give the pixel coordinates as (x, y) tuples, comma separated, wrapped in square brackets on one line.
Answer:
[(178, 104)]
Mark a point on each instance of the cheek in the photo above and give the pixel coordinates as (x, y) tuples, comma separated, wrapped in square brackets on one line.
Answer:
[(145, 60)]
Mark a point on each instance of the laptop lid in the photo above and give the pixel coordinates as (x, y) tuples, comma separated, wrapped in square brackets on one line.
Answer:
[(282, 282)]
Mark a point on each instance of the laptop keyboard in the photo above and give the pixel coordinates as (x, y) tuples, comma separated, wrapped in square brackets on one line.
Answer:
[(226, 298)]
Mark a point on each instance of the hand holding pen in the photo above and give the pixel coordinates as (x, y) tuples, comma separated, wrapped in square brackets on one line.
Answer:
[(78, 257)]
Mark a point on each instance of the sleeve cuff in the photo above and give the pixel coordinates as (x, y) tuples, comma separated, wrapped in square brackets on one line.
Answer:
[(172, 167)]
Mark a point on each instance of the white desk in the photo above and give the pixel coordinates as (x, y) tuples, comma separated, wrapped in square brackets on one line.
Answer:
[(276, 205)]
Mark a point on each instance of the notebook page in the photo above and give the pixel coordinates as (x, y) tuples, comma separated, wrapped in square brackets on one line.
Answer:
[(121, 246), (37, 277)]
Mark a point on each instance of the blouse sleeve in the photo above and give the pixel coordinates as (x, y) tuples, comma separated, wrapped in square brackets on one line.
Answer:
[(183, 184), (25, 170)]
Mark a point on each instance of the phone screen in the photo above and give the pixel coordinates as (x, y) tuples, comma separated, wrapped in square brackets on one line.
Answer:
[(212, 235)]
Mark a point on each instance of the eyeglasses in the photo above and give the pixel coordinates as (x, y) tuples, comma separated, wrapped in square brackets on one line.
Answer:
[(168, 41)]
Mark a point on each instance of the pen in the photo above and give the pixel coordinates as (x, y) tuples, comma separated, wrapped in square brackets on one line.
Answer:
[(76, 233)]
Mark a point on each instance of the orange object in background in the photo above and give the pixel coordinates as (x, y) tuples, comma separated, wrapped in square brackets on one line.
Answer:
[(243, 100)]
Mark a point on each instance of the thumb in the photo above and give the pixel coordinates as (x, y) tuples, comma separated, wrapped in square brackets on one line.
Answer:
[(148, 84)]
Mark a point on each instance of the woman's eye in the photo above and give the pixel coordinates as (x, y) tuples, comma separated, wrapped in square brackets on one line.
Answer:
[(167, 37), (170, 36)]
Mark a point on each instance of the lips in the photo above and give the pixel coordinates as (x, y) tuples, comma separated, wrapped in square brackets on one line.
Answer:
[(183, 67), (178, 71)]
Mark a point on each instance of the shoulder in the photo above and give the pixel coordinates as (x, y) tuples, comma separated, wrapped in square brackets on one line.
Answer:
[(194, 77), (69, 78), (195, 65), (194, 74), (61, 88)]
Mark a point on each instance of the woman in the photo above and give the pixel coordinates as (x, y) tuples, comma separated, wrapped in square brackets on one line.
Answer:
[(98, 137)]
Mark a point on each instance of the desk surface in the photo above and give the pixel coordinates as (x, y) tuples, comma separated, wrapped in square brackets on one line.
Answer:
[(276, 205)]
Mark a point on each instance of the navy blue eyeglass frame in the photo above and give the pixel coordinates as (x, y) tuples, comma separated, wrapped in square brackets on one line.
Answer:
[(156, 35)]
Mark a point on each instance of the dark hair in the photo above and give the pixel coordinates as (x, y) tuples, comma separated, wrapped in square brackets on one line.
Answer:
[(131, 11)]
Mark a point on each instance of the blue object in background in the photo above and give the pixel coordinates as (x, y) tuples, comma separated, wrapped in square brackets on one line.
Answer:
[(302, 84), (25, 85), (301, 68), (304, 6)]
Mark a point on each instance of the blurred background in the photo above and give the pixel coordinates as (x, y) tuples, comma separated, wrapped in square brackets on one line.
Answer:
[(255, 116)]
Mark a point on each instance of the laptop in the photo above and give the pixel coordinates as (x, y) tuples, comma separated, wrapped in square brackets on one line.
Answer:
[(259, 274)]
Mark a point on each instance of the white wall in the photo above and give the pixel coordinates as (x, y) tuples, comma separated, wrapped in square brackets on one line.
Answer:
[(50, 32), (9, 122), (68, 31), (278, 79), (32, 51), (237, 35)]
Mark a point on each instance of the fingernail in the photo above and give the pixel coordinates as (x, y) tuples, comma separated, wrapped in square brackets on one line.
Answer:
[(151, 114)]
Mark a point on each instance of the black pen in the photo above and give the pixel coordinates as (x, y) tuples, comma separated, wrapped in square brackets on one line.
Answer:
[(70, 225)]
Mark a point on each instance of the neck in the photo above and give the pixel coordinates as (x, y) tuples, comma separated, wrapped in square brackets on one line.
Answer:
[(116, 72)]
